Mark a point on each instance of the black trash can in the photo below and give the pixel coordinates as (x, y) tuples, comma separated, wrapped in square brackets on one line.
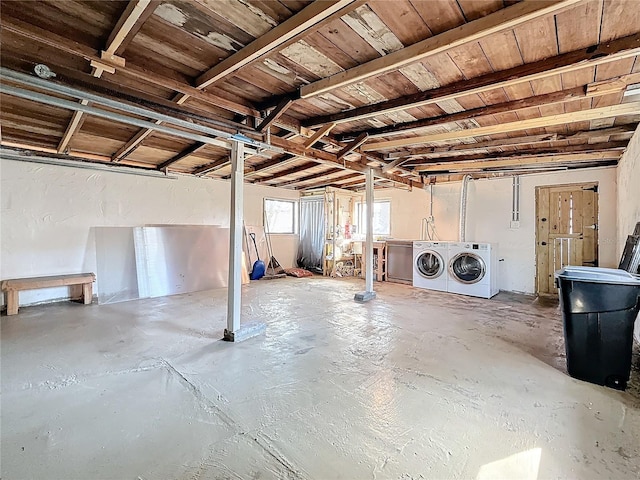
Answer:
[(599, 307)]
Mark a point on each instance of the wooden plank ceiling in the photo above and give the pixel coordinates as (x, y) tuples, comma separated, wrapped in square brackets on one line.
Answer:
[(421, 90)]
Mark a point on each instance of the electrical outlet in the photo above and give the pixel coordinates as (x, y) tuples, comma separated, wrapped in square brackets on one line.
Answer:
[(515, 224)]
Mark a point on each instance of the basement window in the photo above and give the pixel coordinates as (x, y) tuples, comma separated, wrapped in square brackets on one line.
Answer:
[(381, 217), (280, 216)]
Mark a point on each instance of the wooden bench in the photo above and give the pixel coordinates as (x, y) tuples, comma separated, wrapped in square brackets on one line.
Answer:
[(81, 287)]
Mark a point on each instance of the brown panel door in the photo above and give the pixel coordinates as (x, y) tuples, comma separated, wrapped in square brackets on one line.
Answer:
[(566, 231)]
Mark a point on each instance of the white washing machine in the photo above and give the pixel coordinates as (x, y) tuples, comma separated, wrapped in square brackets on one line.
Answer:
[(473, 269), (430, 265)]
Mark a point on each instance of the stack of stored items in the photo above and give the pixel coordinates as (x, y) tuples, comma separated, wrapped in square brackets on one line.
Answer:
[(630, 260)]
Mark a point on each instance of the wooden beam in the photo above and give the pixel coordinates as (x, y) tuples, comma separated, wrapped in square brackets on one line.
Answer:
[(132, 143), (360, 181), (595, 55), (210, 167), (506, 107), (326, 173), (321, 132), (195, 148), (314, 15), (500, 21), (532, 140), (288, 171), (275, 114), (631, 108), (353, 145), (333, 181), (330, 159), (123, 27), (271, 163), (71, 47), (521, 160), (394, 164), (136, 9), (610, 147)]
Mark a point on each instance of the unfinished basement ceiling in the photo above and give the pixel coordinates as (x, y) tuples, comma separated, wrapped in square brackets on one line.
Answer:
[(421, 90)]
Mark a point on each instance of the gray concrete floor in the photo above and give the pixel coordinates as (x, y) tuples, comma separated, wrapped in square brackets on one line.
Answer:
[(415, 384)]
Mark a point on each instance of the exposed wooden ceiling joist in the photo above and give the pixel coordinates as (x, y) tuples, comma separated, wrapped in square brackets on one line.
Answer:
[(531, 140), (332, 181), (595, 55), (288, 31), (307, 178), (329, 158), (195, 148), (212, 166), (353, 145), (278, 160), (506, 107), (132, 18), (609, 147), (128, 24), (315, 15), (321, 132), (520, 161), (288, 171), (632, 108), (276, 113), (71, 47), (504, 19)]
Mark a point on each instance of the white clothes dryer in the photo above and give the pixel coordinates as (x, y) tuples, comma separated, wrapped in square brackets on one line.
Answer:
[(473, 269), (430, 261)]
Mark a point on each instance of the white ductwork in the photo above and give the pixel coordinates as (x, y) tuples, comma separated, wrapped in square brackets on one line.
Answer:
[(463, 207)]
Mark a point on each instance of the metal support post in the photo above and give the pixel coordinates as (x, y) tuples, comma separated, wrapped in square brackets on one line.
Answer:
[(368, 294), (234, 332)]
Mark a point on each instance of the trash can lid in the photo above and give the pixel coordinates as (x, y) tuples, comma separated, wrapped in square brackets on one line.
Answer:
[(598, 275)]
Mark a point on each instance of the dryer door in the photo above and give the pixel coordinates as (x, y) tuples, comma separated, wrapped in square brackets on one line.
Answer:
[(467, 267), (430, 264)]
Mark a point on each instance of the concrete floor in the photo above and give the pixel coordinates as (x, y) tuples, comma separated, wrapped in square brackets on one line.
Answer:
[(415, 384)]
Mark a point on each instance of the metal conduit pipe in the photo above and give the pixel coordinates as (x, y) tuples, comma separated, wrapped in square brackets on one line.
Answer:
[(463, 207), (31, 81), (116, 117)]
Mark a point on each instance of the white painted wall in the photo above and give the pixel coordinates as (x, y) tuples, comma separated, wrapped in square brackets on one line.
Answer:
[(628, 173), (489, 216), (47, 214)]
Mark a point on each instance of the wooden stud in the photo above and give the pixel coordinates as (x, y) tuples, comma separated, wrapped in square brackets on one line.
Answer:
[(542, 240), (502, 20)]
